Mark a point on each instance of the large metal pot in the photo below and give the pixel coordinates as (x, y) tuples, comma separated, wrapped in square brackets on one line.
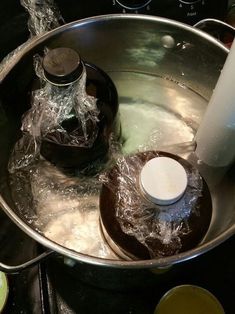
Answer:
[(121, 43)]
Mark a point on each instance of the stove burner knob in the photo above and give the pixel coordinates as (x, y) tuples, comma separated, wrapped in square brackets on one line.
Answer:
[(190, 1), (133, 4)]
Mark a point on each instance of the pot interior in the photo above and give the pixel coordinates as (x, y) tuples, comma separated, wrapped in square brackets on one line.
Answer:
[(165, 73)]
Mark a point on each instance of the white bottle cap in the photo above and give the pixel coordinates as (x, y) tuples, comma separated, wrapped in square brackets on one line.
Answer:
[(163, 180)]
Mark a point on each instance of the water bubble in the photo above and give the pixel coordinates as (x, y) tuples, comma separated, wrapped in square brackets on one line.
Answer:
[(199, 162), (168, 42)]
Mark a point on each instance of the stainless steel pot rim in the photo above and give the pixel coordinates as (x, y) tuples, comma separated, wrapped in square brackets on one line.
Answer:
[(102, 18), (153, 263)]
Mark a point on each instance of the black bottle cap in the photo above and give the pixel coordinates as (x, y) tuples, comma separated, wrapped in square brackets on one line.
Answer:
[(62, 66)]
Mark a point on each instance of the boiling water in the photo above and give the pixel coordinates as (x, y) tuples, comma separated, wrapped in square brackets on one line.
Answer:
[(156, 113)]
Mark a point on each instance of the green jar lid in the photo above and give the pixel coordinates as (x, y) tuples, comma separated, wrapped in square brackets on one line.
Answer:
[(189, 299), (3, 290)]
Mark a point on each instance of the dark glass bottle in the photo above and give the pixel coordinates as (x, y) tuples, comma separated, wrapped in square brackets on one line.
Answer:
[(139, 227), (62, 68)]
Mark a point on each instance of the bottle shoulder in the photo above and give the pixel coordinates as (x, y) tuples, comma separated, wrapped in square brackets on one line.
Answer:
[(100, 85)]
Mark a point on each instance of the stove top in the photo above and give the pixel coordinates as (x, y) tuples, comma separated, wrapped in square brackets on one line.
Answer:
[(48, 288), (15, 248)]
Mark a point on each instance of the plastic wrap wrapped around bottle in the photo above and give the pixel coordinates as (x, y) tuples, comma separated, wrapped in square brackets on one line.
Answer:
[(137, 228), (72, 115), (43, 17)]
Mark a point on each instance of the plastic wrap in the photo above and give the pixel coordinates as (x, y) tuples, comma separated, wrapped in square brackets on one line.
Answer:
[(61, 207), (51, 106), (142, 219), (43, 16)]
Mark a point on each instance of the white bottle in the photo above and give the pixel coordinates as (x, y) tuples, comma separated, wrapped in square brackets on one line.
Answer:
[(216, 135)]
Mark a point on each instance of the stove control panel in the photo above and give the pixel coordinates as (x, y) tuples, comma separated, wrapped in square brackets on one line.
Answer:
[(187, 11), (133, 4)]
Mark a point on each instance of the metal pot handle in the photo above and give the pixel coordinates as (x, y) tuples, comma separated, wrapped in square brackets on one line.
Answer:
[(18, 268), (212, 25), (213, 22)]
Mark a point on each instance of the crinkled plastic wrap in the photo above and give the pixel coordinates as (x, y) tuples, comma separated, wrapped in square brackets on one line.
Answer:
[(43, 16), (141, 218), (51, 106), (61, 207)]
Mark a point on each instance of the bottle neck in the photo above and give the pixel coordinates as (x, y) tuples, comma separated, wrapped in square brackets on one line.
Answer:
[(64, 84)]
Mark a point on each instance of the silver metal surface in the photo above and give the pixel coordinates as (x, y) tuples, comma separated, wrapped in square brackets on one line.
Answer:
[(18, 268), (135, 44), (215, 24)]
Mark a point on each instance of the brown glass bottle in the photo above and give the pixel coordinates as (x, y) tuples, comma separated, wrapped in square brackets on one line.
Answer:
[(136, 228), (62, 67)]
